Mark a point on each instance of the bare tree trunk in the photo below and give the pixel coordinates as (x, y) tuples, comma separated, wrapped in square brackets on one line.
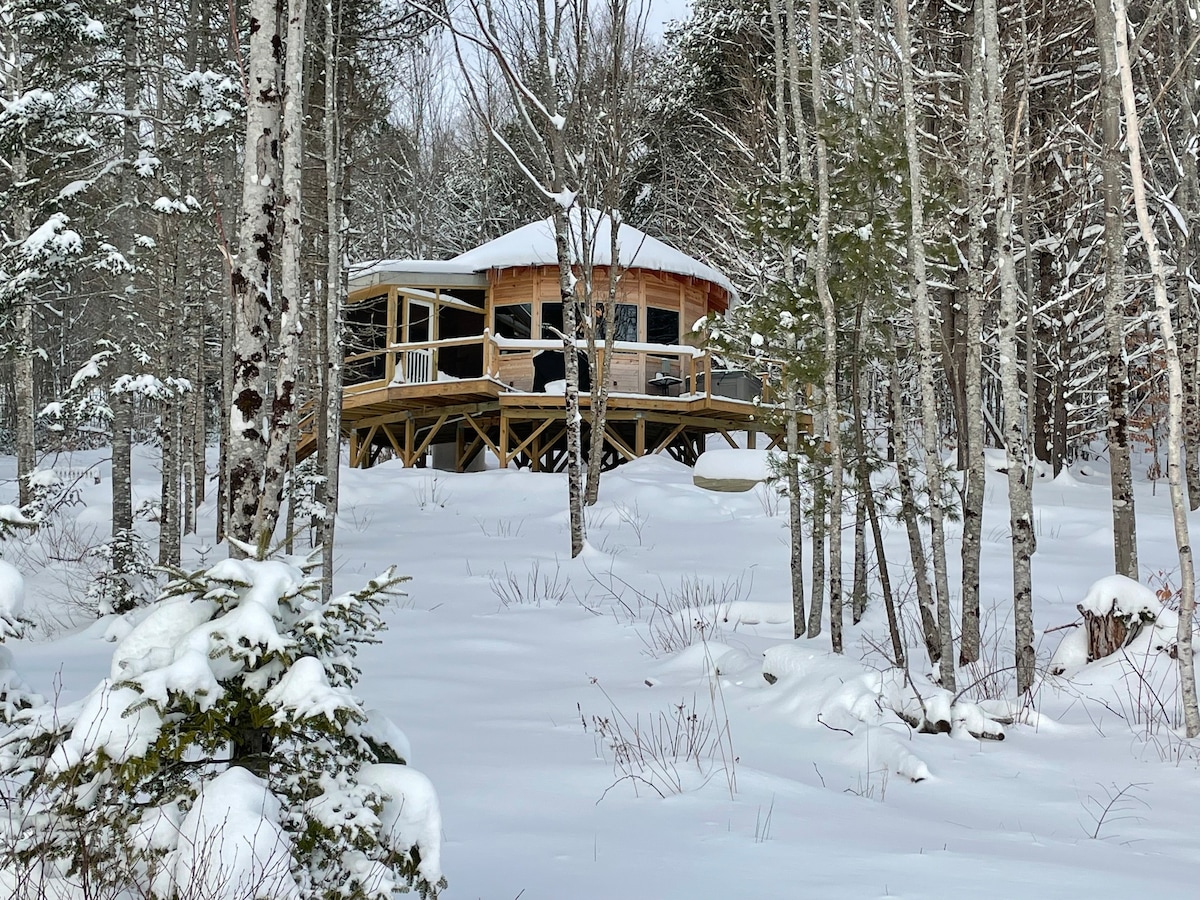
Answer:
[(168, 525), (923, 319), (1117, 380), (23, 387), (335, 290), (122, 403), (1020, 497), (862, 475), (795, 510), (251, 299), (282, 428), (974, 474), (1166, 329), (23, 390), (820, 268), (1189, 205), (787, 69), (820, 495), (566, 287), (170, 421), (908, 508)]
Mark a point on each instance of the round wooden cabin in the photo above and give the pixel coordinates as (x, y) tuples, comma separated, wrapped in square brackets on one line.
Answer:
[(508, 288), (465, 352)]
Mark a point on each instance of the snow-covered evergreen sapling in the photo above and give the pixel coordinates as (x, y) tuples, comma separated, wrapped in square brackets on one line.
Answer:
[(14, 693), (226, 754)]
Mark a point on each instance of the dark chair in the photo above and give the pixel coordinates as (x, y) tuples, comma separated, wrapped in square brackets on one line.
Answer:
[(551, 365)]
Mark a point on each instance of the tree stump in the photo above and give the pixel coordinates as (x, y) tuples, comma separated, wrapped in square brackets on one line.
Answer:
[(1107, 633)]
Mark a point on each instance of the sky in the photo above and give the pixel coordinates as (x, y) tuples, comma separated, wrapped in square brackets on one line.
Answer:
[(662, 12)]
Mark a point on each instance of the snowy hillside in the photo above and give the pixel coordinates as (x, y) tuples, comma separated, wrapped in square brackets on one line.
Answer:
[(602, 728)]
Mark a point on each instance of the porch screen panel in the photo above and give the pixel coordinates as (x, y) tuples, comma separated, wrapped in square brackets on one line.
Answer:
[(366, 331)]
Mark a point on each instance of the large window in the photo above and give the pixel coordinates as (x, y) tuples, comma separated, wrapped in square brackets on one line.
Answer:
[(662, 325), (515, 321)]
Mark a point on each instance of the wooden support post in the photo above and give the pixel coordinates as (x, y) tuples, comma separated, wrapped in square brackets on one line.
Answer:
[(614, 440), (751, 439), (483, 435), (639, 436), (410, 438), (504, 458), (364, 450), (387, 430), (529, 441), (428, 439), (666, 442), (354, 448)]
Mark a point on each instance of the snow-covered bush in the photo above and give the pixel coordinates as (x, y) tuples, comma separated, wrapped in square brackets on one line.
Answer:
[(126, 580), (225, 756), (14, 694), (13, 522)]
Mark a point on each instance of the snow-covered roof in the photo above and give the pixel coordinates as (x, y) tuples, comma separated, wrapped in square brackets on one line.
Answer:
[(416, 273), (533, 245)]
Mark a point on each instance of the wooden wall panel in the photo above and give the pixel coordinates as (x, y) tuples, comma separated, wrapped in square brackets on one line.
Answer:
[(628, 374), (516, 369)]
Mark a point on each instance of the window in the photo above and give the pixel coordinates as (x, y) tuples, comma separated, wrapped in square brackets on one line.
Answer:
[(662, 326), (552, 320), (626, 315), (515, 321)]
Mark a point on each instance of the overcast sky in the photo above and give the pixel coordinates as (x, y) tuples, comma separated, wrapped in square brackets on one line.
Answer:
[(663, 11)]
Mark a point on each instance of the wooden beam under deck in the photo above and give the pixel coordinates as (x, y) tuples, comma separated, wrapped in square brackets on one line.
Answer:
[(408, 419)]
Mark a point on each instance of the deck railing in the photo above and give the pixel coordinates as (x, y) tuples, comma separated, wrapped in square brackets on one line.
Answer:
[(636, 368)]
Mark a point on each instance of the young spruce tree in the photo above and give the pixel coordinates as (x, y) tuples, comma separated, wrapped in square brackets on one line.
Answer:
[(225, 755)]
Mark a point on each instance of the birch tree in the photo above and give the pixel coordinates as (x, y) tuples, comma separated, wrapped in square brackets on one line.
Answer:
[(1166, 329), (1020, 493), (539, 48), (282, 421), (248, 388), (922, 317)]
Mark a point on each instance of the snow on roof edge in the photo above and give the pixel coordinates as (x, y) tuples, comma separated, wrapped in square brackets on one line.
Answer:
[(533, 245)]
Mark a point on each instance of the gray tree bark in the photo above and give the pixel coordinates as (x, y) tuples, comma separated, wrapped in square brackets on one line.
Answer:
[(974, 473), (330, 398), (923, 320), (1020, 495), (820, 269), (787, 75), (1116, 362)]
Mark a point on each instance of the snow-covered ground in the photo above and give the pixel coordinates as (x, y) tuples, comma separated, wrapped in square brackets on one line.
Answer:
[(601, 728)]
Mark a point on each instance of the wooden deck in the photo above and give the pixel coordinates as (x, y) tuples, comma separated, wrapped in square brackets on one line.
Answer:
[(456, 421)]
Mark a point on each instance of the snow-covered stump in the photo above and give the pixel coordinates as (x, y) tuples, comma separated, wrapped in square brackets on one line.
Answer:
[(1114, 611)]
